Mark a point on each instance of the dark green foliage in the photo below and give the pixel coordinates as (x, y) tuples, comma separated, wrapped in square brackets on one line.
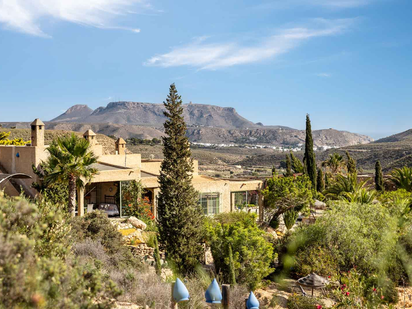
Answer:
[(296, 301), (297, 166), (290, 217), (309, 157), (252, 253), (69, 162), (232, 273), (158, 265), (180, 216), (274, 173), (320, 183), (350, 164), (378, 177), (288, 167)]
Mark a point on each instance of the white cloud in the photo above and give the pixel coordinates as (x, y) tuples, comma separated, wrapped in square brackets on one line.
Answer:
[(25, 15), (340, 3), (203, 55), (327, 75)]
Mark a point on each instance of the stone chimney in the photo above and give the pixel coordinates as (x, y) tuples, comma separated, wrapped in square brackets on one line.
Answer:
[(37, 133), (120, 146), (91, 137)]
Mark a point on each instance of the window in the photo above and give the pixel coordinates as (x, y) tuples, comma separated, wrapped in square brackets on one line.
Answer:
[(210, 203)]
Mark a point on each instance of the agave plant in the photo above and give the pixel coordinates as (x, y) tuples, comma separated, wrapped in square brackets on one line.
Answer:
[(360, 196), (402, 178)]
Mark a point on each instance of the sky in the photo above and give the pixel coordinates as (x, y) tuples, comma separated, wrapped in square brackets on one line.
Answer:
[(348, 63)]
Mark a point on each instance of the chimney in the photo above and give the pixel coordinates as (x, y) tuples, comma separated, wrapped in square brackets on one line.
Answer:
[(120, 146), (37, 133), (91, 137)]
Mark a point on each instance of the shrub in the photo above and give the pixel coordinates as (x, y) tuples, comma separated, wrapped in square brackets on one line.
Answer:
[(304, 302), (37, 268), (96, 226), (252, 253)]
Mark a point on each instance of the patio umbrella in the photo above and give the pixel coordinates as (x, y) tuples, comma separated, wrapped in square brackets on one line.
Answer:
[(313, 281)]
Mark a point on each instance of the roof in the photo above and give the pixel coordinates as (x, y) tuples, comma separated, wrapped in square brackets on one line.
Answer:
[(89, 133), (4, 177), (107, 167), (37, 122), (120, 141)]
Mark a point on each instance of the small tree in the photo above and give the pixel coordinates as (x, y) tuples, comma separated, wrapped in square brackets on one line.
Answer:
[(320, 183), (289, 218), (350, 164), (180, 215), (310, 158), (297, 166), (288, 167), (70, 162), (378, 177), (274, 173), (286, 193), (232, 273)]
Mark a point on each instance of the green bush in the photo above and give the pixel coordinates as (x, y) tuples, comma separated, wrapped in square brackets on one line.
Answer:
[(252, 253), (96, 226), (304, 302), (37, 268)]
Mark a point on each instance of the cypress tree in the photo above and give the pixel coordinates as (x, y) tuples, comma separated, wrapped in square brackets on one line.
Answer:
[(156, 253), (351, 164), (274, 173), (309, 158), (297, 166), (320, 181), (232, 274), (179, 214), (288, 167), (378, 177)]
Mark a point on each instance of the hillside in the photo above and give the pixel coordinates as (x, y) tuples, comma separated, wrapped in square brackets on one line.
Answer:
[(273, 136), (148, 114), (74, 114)]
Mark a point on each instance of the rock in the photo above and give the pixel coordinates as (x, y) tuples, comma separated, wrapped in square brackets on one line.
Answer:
[(319, 205), (139, 224)]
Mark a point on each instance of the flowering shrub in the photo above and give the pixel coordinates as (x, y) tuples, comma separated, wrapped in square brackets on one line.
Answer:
[(137, 205), (355, 293)]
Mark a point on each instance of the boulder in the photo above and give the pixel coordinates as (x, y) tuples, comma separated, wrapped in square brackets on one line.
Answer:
[(139, 224)]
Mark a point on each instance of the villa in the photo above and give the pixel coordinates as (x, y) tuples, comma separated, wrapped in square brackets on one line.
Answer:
[(216, 195)]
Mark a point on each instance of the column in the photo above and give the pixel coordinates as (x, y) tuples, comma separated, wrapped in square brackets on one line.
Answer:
[(155, 194)]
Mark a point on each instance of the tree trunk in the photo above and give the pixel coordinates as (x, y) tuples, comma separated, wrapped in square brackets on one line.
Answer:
[(72, 195)]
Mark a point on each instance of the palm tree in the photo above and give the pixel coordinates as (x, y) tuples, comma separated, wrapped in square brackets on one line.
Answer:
[(402, 178), (334, 162), (343, 185), (70, 161), (361, 196)]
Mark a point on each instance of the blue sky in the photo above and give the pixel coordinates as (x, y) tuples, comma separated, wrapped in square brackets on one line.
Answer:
[(347, 63)]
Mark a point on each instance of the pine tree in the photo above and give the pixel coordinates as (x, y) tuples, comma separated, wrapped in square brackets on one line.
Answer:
[(351, 164), (288, 167), (378, 177), (180, 216), (297, 166), (309, 158), (320, 183), (156, 253), (232, 274)]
